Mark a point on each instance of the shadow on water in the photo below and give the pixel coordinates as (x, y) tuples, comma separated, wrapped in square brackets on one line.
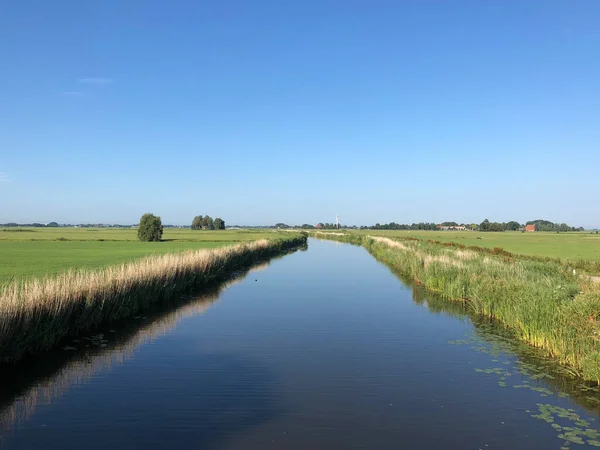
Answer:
[(40, 380)]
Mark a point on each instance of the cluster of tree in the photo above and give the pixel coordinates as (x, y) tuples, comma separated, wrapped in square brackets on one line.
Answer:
[(540, 225), (486, 225), (546, 225), (207, 223)]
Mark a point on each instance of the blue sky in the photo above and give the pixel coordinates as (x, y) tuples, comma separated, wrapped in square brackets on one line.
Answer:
[(295, 111)]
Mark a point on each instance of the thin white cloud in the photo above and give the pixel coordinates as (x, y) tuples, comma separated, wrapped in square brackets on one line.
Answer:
[(95, 80), (4, 178)]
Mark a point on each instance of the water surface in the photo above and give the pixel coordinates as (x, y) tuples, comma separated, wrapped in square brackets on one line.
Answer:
[(324, 348)]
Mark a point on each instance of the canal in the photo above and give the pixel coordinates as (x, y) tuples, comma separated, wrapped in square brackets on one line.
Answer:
[(322, 349)]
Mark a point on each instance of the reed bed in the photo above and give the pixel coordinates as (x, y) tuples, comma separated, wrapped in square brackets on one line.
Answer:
[(544, 303), (36, 314)]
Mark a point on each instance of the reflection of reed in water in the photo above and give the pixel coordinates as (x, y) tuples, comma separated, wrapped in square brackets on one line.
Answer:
[(79, 366), (260, 267), (496, 340), (36, 314)]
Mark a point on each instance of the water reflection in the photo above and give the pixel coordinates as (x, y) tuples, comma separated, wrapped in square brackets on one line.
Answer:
[(495, 340), (39, 381), (516, 365), (326, 351)]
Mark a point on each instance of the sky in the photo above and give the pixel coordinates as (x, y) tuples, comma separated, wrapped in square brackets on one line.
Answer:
[(297, 111)]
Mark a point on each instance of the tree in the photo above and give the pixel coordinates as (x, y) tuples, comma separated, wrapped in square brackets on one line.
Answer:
[(485, 225), (208, 223), (513, 225), (150, 228), (52, 224), (219, 224), (197, 223)]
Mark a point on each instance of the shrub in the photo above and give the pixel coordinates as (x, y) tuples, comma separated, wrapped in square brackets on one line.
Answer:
[(150, 228)]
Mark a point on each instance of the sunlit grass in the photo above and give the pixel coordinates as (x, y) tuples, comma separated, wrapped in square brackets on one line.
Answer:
[(36, 313), (36, 252)]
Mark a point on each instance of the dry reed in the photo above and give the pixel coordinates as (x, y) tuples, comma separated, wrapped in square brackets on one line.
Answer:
[(36, 314)]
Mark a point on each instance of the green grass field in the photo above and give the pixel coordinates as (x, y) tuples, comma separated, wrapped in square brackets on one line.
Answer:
[(583, 245), (34, 252), (37, 252)]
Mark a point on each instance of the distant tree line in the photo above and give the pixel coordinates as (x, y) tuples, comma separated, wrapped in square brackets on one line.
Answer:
[(69, 225), (308, 226), (545, 225), (30, 225), (486, 225), (207, 223), (400, 226)]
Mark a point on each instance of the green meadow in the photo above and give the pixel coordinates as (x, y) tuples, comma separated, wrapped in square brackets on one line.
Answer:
[(574, 246), (36, 252)]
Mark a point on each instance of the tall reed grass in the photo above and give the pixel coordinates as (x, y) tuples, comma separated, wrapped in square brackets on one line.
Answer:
[(27, 387), (36, 314), (542, 302)]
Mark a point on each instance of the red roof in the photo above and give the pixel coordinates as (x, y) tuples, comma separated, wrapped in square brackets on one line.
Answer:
[(529, 227)]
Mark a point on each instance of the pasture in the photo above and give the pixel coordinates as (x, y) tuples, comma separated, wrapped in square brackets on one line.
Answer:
[(572, 246), (36, 252)]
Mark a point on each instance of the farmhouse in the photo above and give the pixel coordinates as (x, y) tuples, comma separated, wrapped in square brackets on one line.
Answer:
[(530, 227)]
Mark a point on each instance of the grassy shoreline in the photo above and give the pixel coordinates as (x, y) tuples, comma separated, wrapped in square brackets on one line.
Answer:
[(571, 246), (34, 253), (542, 302), (35, 314)]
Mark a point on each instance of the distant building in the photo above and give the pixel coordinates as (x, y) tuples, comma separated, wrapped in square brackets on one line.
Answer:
[(319, 226), (530, 227)]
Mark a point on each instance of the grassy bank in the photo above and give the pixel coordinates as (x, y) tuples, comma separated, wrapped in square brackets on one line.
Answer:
[(37, 252), (543, 303), (574, 246), (35, 314)]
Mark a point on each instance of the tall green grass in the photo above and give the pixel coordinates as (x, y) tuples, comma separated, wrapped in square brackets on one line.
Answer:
[(544, 303), (36, 314)]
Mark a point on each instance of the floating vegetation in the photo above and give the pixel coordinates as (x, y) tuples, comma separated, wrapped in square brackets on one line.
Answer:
[(571, 427), (495, 370)]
